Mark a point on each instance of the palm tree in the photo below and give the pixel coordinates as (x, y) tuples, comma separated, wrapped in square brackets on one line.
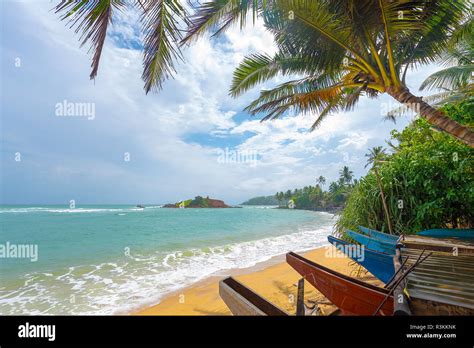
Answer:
[(333, 187), (321, 180), (457, 76), (341, 49), (279, 197), (376, 156), (455, 80), (161, 21), (346, 175)]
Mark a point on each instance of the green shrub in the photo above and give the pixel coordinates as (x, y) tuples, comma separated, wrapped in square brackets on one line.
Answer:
[(428, 182)]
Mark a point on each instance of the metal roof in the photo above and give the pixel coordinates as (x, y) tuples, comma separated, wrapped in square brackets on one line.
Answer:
[(442, 277), (453, 245)]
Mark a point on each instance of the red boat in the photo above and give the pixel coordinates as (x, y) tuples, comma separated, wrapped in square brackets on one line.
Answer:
[(351, 296)]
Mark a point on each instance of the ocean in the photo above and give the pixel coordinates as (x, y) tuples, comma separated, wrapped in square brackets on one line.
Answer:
[(114, 259)]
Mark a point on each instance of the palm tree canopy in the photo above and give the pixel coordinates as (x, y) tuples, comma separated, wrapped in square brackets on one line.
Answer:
[(459, 67), (375, 156), (346, 175), (321, 180), (161, 24), (341, 50)]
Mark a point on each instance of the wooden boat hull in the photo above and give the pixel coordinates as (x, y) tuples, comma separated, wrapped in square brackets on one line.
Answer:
[(440, 286), (350, 295), (243, 301), (379, 264), (372, 243)]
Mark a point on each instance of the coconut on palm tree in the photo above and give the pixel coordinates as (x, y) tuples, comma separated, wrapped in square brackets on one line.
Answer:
[(376, 156), (340, 50)]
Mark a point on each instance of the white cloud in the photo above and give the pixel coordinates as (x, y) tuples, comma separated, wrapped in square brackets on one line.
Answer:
[(155, 128)]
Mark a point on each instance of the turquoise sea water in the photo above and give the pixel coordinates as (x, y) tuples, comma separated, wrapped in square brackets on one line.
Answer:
[(113, 259)]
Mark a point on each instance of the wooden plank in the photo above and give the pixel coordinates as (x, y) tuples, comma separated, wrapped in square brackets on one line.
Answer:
[(243, 301), (300, 309)]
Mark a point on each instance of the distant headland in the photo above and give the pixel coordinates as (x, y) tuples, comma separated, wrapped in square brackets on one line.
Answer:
[(198, 202)]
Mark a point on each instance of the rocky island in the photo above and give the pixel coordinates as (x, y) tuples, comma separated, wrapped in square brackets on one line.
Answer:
[(198, 202)]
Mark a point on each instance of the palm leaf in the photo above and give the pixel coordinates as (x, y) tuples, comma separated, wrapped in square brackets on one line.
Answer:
[(450, 78), (258, 68), (161, 24), (92, 19), (218, 15)]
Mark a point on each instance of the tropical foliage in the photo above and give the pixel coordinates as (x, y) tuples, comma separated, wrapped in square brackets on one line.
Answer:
[(427, 181), (341, 50), (457, 58), (262, 200), (316, 198), (455, 81)]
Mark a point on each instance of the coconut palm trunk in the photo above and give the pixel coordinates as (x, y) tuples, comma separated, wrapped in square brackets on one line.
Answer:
[(432, 115), (385, 207)]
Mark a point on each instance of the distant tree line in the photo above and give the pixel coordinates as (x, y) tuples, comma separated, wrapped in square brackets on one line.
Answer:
[(262, 200), (316, 198)]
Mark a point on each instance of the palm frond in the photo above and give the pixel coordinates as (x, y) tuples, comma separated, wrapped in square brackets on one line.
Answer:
[(91, 19), (304, 95), (438, 19), (258, 68), (218, 15), (315, 16), (450, 78), (161, 21)]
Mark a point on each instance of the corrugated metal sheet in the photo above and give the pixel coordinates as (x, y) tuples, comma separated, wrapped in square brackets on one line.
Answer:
[(442, 277), (439, 244)]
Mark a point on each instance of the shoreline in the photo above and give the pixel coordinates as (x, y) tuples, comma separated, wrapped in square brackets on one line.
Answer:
[(273, 279)]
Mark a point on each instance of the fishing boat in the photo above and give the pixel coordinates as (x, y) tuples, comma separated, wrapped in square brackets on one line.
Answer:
[(458, 233), (243, 301), (377, 263), (461, 233), (351, 296), (384, 237), (443, 286), (373, 243)]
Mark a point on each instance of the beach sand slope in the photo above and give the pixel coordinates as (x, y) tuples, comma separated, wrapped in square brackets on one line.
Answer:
[(277, 283)]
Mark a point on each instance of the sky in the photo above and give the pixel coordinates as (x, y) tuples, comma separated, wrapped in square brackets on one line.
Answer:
[(192, 138)]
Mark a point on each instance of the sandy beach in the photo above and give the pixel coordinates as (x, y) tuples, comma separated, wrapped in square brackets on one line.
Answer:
[(275, 280)]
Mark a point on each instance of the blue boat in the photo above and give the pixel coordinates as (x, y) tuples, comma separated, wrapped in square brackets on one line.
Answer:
[(379, 264), (384, 237), (460, 233), (373, 243)]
